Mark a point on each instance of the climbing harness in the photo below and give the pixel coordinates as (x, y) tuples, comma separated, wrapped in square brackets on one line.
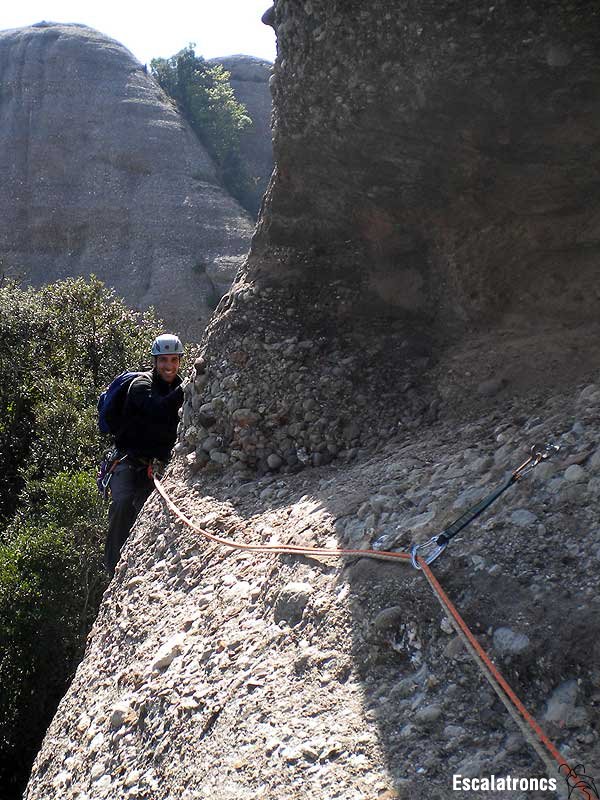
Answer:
[(106, 470), (431, 549), (530, 729)]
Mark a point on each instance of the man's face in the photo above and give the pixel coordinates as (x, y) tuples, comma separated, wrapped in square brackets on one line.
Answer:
[(168, 367)]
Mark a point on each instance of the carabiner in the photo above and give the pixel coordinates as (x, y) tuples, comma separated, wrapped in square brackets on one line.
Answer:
[(537, 455), (437, 544), (433, 544)]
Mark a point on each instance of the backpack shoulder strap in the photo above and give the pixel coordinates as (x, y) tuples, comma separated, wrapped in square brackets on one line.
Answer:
[(141, 376)]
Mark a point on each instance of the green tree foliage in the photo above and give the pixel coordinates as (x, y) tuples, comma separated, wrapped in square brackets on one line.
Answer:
[(51, 584), (204, 96), (59, 347)]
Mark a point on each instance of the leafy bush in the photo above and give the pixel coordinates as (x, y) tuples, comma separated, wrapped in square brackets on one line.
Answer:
[(59, 347), (51, 584), (204, 96)]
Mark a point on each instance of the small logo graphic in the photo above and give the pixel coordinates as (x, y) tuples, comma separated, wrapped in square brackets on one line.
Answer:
[(579, 782)]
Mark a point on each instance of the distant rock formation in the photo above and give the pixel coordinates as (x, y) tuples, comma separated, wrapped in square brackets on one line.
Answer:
[(100, 174), (250, 83)]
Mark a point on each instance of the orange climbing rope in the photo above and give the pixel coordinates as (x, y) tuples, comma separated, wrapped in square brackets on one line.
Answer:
[(278, 549), (523, 719)]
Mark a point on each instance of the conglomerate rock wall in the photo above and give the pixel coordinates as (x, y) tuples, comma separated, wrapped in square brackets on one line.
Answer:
[(100, 174), (437, 173), (440, 155), (212, 674)]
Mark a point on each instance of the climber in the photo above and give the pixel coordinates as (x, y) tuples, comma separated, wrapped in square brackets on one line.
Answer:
[(146, 431)]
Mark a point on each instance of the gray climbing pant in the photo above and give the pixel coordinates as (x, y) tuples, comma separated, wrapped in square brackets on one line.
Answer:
[(129, 490)]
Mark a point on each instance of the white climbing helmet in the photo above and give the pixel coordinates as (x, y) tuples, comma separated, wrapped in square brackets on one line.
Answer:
[(166, 344)]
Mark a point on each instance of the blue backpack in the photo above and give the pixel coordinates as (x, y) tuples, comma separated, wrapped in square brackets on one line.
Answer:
[(112, 402)]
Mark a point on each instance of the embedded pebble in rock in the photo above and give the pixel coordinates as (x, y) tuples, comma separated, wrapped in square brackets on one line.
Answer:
[(380, 502), (218, 457), (562, 709), (420, 521), (274, 461), (472, 766), (509, 642), (119, 715), (523, 518), (168, 652), (469, 497), (131, 778), (405, 688), (210, 443), (103, 784), (544, 471), (492, 387), (594, 461), (515, 743), (291, 602), (427, 715), (97, 771), (388, 618), (589, 394), (446, 626), (96, 743), (575, 474), (454, 731)]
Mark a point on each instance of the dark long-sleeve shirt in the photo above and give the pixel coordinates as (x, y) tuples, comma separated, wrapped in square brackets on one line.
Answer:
[(150, 417)]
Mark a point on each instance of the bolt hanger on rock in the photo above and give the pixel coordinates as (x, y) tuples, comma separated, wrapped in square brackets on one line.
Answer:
[(430, 550)]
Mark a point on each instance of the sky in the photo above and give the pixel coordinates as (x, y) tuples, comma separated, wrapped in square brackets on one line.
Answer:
[(151, 30)]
